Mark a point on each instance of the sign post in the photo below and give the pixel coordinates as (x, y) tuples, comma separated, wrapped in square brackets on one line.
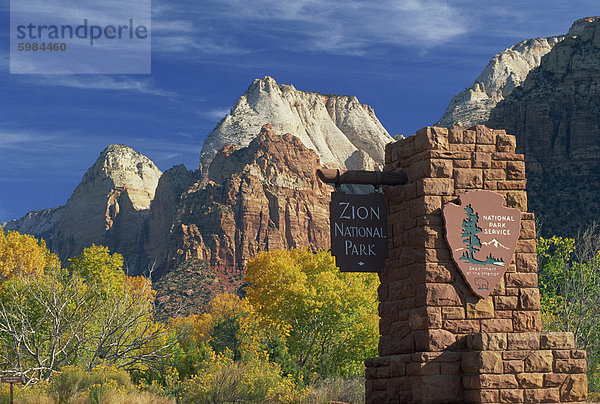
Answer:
[(358, 231), (12, 379)]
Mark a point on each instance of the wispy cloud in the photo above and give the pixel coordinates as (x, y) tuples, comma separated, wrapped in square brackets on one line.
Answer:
[(327, 26), (102, 82), (215, 114)]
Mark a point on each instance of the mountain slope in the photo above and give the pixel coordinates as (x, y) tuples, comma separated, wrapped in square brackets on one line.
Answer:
[(501, 76), (555, 115)]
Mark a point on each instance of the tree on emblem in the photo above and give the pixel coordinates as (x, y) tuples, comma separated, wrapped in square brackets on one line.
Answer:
[(472, 242), (469, 234)]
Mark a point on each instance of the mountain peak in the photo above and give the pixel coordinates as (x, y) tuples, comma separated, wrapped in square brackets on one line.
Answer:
[(336, 127)]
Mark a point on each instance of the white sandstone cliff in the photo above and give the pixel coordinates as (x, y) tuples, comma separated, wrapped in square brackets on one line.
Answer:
[(343, 132)]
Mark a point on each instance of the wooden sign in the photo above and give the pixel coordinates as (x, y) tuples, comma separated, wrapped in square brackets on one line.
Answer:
[(11, 379), (482, 234), (358, 231)]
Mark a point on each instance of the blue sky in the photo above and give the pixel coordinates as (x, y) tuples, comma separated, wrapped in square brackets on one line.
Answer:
[(404, 58)]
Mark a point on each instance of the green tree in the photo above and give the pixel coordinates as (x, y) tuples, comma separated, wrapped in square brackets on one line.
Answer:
[(88, 316), (469, 234), (569, 280), (327, 318)]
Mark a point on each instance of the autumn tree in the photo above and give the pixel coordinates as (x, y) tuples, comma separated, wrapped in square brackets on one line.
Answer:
[(87, 315), (22, 254), (328, 319)]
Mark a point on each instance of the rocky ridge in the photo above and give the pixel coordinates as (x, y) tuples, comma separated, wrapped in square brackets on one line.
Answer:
[(506, 71), (108, 207), (343, 132), (554, 114)]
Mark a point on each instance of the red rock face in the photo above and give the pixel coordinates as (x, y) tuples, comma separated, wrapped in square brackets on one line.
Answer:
[(262, 197), (554, 115)]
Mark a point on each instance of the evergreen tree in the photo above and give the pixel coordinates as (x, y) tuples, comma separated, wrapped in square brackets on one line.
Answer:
[(469, 234)]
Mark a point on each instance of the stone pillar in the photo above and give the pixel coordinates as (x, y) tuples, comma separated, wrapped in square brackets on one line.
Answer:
[(440, 343)]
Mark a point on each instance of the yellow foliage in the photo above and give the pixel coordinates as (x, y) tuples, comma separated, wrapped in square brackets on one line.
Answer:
[(22, 254), (328, 318), (227, 305), (193, 328)]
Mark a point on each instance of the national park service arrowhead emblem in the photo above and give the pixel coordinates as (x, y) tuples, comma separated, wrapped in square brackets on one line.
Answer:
[(482, 235)]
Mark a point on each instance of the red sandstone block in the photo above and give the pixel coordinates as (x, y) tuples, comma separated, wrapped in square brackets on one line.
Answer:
[(402, 289), (524, 341), (397, 365), (542, 396), (504, 314), (527, 229), (554, 379), (438, 294), (531, 380), (481, 160), (515, 170), (514, 366), (468, 178), (494, 174), (521, 280), (462, 147), (498, 382), (530, 299), (422, 368), (431, 138), (469, 136), (437, 389), (526, 246), (425, 317), (462, 164), (453, 313), (539, 361), (511, 396), (561, 354), (435, 186), (524, 321), (499, 164), (482, 362), (437, 255), (486, 148), (490, 185), (512, 291), (515, 355), (570, 365), (515, 199), (506, 185), (557, 340), (462, 326), (425, 205), (487, 341), (450, 368), (433, 340), (455, 135), (506, 143), (507, 156), (437, 273), (399, 329), (382, 372), (574, 388), (497, 325), (526, 262), (505, 302), (439, 168), (391, 345), (484, 135)]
